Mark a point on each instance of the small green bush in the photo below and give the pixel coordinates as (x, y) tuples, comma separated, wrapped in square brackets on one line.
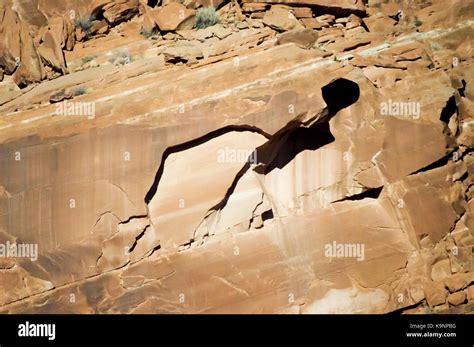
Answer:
[(418, 22), (206, 17)]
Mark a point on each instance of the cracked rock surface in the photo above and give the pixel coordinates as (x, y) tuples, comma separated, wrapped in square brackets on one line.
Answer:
[(300, 156)]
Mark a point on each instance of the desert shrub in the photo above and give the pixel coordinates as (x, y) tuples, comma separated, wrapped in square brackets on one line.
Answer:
[(206, 17), (120, 58), (418, 22), (79, 91), (436, 46), (87, 59)]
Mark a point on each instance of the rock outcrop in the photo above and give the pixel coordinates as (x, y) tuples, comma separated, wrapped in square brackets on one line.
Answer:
[(300, 156), (173, 16)]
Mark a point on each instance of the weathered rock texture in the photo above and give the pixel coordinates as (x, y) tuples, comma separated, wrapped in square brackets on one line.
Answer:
[(303, 156)]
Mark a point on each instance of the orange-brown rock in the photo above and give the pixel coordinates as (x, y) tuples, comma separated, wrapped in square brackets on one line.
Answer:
[(435, 294), (30, 69), (120, 10), (240, 168), (380, 23), (457, 282), (304, 38), (470, 293), (302, 12), (9, 40), (148, 24), (79, 34), (336, 6), (311, 23), (457, 299), (99, 27), (182, 51), (69, 38), (51, 46), (281, 18), (210, 3), (173, 16)]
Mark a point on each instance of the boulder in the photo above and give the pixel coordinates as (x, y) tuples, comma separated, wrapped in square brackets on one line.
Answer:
[(120, 11), (330, 35), (9, 40), (173, 16), (354, 19), (203, 34), (311, 23), (217, 30), (470, 293), (456, 282), (342, 20), (457, 299), (51, 44), (30, 68), (304, 38), (148, 24), (69, 37), (220, 31), (435, 293), (441, 270), (281, 18), (353, 22), (241, 25), (191, 4), (380, 23), (352, 25), (99, 27), (302, 12), (79, 34), (51, 52), (326, 18), (60, 96), (182, 51)]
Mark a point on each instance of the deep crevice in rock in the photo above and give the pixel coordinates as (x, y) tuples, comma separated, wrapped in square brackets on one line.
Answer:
[(463, 88), (449, 110), (132, 247), (367, 194), (134, 217), (152, 3), (402, 310), (434, 165)]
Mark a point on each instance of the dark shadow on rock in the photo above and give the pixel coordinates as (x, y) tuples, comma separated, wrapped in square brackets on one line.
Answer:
[(337, 95), (283, 146)]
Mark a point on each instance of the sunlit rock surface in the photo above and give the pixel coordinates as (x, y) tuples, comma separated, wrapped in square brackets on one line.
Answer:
[(303, 156)]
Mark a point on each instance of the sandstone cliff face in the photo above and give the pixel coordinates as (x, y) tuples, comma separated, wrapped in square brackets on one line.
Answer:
[(305, 156)]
